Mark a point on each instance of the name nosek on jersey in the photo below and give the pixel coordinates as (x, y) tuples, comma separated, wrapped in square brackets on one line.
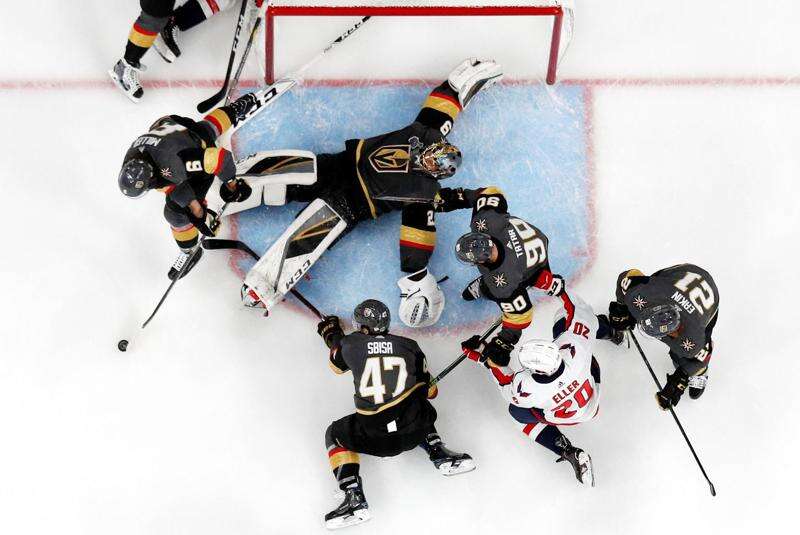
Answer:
[(683, 302), (514, 244), (379, 347)]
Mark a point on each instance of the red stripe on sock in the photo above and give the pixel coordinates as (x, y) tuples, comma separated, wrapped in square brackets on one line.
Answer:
[(142, 31), (213, 5), (447, 97), (413, 245)]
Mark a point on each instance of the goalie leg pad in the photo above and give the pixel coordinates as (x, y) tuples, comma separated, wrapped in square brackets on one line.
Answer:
[(292, 255), (471, 76), (421, 299)]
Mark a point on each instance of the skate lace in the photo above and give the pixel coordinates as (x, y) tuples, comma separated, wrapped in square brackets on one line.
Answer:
[(131, 77), (180, 261), (698, 381)]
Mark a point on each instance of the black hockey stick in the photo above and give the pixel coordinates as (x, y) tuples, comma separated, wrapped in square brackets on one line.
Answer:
[(209, 103), (675, 416), (486, 334), (235, 83), (218, 243), (181, 272)]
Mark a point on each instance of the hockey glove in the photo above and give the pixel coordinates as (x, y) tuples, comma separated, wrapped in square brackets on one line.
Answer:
[(241, 191), (449, 199), (208, 224), (330, 329), (433, 391), (670, 395), (472, 291), (619, 316), (472, 348), (498, 352)]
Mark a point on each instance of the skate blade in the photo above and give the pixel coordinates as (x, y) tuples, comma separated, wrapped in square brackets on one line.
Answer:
[(163, 50), (118, 83), (358, 517), (587, 471), (461, 467)]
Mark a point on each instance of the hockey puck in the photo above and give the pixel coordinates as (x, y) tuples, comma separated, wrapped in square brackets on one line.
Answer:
[(122, 345)]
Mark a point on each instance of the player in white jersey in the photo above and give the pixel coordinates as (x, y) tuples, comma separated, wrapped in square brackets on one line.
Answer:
[(558, 384)]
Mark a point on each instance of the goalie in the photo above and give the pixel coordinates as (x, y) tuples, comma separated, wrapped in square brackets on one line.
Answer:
[(397, 171)]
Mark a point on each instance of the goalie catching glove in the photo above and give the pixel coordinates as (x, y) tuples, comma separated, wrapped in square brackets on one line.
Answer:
[(421, 299)]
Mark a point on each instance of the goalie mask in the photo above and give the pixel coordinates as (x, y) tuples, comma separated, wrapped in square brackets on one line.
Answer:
[(373, 315), (440, 160), (474, 248), (660, 320), (540, 357), (135, 177)]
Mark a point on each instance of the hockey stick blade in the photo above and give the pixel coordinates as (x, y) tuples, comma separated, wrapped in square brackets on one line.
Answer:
[(209, 103)]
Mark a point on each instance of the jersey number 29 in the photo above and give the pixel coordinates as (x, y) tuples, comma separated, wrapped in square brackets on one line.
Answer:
[(372, 383)]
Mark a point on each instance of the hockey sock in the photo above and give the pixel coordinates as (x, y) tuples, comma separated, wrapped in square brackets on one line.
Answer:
[(441, 106), (220, 120), (186, 236), (545, 435), (345, 465), (142, 35), (194, 12)]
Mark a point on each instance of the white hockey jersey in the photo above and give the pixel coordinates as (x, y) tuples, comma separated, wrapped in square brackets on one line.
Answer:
[(571, 396)]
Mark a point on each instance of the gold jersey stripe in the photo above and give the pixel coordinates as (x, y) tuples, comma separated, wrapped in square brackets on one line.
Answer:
[(491, 190), (343, 457), (211, 160), (518, 319), (634, 273), (424, 237), (392, 403), (184, 235), (443, 105), (335, 368), (361, 181)]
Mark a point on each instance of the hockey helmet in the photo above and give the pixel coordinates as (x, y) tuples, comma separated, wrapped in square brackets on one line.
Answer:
[(541, 357), (474, 248), (660, 320), (136, 177), (373, 315), (440, 159)]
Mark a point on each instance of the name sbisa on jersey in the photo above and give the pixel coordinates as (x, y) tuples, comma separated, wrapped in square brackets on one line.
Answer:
[(379, 347), (683, 302)]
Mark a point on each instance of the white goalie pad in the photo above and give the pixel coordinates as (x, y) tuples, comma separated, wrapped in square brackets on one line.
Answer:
[(268, 173), (471, 76), (292, 255), (422, 301)]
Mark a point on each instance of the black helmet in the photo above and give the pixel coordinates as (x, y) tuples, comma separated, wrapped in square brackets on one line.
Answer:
[(373, 315), (660, 320), (440, 159), (136, 177), (474, 248)]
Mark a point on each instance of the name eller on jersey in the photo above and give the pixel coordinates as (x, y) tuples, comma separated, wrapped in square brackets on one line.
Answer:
[(566, 392), (379, 347)]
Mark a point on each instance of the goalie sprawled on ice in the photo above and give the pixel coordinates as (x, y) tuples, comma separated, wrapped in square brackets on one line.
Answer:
[(399, 170)]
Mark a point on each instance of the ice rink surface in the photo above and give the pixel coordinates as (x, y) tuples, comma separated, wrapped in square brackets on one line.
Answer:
[(213, 421)]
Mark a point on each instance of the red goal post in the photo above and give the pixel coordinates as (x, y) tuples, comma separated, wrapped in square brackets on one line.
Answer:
[(560, 10)]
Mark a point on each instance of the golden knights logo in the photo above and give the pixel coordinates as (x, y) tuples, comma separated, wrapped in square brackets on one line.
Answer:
[(391, 159)]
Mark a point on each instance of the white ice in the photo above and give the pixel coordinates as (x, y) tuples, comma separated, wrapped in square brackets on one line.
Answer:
[(213, 421)]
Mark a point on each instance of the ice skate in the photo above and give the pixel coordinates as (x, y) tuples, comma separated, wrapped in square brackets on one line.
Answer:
[(353, 510), (448, 462), (166, 43), (126, 77), (182, 259)]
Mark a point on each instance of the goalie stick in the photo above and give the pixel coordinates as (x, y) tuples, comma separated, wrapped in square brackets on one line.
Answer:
[(675, 416), (486, 334), (221, 243), (266, 96)]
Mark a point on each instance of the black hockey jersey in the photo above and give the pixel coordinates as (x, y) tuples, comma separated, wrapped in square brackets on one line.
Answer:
[(184, 158), (686, 285), (387, 370)]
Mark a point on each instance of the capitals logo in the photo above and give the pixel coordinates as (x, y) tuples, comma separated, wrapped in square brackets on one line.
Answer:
[(506, 141), (391, 159)]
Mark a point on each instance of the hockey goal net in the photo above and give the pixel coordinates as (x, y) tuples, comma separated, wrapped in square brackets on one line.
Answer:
[(489, 21)]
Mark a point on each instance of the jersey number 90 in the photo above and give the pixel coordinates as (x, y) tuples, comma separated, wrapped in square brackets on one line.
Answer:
[(535, 250)]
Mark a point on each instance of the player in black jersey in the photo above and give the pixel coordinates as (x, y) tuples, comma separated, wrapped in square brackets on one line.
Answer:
[(678, 305), (397, 171), (179, 157), (511, 255), (393, 414)]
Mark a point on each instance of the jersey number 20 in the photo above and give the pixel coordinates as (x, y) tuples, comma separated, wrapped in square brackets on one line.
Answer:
[(371, 384), (581, 397)]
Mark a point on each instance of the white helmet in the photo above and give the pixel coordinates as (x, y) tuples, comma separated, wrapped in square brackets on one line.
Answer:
[(540, 356)]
